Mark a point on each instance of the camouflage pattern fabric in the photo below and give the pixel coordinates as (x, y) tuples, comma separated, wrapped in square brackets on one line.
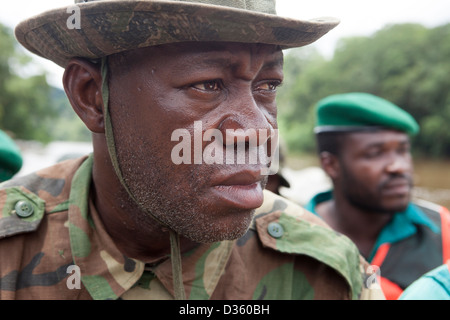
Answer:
[(59, 228)]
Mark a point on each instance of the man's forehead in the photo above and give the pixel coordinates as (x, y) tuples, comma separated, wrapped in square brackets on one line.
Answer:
[(376, 137), (206, 49), (185, 56)]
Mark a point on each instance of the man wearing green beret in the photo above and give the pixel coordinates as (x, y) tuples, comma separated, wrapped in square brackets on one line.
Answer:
[(137, 219), (10, 157), (364, 147)]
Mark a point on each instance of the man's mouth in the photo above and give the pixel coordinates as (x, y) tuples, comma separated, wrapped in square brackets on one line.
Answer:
[(397, 187), (242, 190)]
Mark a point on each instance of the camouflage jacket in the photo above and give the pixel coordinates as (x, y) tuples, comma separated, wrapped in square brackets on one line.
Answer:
[(53, 246)]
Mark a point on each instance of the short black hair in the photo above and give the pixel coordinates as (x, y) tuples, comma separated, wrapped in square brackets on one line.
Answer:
[(331, 142)]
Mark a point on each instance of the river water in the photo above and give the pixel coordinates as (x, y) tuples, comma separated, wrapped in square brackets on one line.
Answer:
[(432, 180)]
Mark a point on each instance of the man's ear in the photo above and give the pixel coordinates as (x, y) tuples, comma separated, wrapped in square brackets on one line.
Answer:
[(330, 164), (83, 85)]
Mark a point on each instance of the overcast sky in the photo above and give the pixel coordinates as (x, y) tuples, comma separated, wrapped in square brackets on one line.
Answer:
[(358, 17)]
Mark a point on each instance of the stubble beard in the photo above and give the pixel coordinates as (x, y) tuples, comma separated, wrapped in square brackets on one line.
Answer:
[(177, 204), (367, 201)]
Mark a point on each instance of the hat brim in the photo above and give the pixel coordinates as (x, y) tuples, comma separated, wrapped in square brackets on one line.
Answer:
[(108, 27), (349, 129)]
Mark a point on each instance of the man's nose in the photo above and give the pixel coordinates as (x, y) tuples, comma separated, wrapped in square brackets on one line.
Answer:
[(399, 164), (250, 124), (237, 132)]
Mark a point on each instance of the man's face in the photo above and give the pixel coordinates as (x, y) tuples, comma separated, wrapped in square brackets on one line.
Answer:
[(192, 88), (377, 170)]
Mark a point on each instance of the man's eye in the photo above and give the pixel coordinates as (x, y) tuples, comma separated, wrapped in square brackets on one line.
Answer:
[(212, 85), (373, 153), (404, 149), (269, 86)]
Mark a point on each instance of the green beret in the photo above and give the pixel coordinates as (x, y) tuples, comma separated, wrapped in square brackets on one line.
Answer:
[(361, 111), (10, 157)]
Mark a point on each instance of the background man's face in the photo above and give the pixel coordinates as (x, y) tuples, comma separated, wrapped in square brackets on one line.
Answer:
[(157, 90), (377, 170)]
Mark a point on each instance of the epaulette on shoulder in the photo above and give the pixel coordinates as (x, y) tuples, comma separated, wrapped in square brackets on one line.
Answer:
[(21, 210), (25, 199), (284, 226), (275, 203)]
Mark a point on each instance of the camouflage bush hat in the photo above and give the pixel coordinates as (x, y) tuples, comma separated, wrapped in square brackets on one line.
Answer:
[(359, 111), (98, 28)]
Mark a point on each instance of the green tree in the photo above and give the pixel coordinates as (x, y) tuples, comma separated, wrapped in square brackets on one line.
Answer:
[(30, 109), (407, 64), (25, 104)]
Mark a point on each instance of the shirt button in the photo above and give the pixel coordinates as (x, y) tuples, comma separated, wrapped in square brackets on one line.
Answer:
[(24, 209), (275, 230)]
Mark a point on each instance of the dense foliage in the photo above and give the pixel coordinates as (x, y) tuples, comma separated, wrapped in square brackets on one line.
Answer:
[(30, 109), (407, 64)]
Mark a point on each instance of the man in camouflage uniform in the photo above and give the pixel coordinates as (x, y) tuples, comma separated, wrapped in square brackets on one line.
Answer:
[(126, 222)]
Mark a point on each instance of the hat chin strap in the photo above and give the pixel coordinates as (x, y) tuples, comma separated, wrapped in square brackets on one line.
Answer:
[(175, 249)]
